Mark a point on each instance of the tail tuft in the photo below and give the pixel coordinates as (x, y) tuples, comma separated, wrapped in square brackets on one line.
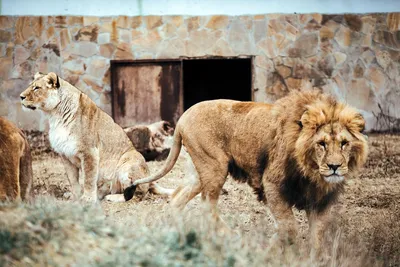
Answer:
[(129, 192)]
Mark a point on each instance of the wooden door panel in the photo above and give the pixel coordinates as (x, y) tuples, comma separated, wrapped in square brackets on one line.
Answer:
[(146, 93)]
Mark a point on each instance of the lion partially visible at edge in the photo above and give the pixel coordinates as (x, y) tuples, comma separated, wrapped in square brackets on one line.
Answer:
[(15, 163), (297, 152)]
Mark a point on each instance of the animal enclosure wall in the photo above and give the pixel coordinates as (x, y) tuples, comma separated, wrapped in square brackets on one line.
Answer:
[(355, 57)]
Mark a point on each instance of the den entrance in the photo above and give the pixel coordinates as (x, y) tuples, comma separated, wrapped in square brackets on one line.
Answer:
[(145, 91)]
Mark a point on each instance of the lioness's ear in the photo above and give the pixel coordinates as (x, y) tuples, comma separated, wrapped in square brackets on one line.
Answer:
[(38, 75), (53, 79)]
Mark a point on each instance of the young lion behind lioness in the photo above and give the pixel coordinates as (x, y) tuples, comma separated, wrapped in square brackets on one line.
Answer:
[(88, 140)]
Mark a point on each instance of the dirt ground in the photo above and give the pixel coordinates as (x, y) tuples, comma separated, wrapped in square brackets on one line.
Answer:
[(366, 199)]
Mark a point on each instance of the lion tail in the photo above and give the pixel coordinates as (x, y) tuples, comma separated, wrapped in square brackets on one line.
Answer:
[(170, 162)]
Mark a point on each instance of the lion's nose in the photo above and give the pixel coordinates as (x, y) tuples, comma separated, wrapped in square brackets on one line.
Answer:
[(22, 97), (334, 167)]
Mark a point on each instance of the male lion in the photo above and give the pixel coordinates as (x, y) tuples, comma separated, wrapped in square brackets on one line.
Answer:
[(296, 152), (15, 163), (88, 140)]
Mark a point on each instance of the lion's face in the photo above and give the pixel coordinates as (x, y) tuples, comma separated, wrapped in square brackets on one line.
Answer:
[(332, 149), (42, 92), (331, 145)]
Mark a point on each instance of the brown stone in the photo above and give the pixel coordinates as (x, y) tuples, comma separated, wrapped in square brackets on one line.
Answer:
[(75, 20), (366, 40), (359, 94), (293, 84), (107, 50), (312, 25), (3, 50), (326, 33), (87, 33), (136, 34), (123, 51), (123, 22), (23, 30), (23, 71), (97, 67), (358, 71), (65, 38), (368, 24), (334, 17), (6, 22), (383, 58), (268, 47), (10, 50), (386, 38), (5, 36), (218, 22), (327, 65), (71, 78), (136, 22), (192, 23), (284, 71), (37, 24), (393, 21), (247, 21), (107, 26), (93, 82), (14, 88), (274, 26), (343, 37), (367, 57), (339, 57), (317, 17), (85, 49), (21, 55), (60, 21), (264, 64), (223, 48), (125, 36), (259, 17), (291, 32), (260, 30), (239, 38), (276, 85), (353, 21), (305, 46), (89, 20), (74, 66), (377, 78), (53, 45), (107, 77), (153, 22)]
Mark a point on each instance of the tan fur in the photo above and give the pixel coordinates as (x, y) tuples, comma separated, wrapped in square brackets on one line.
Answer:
[(15, 163), (281, 150), (90, 143)]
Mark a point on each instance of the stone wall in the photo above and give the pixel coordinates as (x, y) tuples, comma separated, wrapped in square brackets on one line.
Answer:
[(355, 57)]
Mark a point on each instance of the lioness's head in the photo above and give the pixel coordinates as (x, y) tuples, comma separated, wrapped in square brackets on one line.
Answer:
[(42, 92), (331, 145)]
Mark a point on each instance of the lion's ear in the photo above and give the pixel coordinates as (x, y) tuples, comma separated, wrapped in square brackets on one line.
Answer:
[(53, 80), (38, 75), (356, 123)]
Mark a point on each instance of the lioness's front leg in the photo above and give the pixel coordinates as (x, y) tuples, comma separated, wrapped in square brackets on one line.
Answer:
[(90, 171), (73, 177)]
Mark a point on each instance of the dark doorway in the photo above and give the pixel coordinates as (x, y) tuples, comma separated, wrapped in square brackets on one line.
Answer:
[(207, 79)]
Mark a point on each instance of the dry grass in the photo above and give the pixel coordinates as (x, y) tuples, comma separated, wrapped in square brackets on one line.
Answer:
[(55, 232)]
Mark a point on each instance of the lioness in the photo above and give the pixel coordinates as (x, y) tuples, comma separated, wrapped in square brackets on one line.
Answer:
[(88, 140), (15, 163), (296, 152)]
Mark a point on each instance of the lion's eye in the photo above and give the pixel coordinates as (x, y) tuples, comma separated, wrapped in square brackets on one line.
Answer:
[(35, 88), (322, 143), (344, 142)]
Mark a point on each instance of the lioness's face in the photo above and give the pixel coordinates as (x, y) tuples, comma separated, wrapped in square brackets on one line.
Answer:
[(333, 144), (42, 92)]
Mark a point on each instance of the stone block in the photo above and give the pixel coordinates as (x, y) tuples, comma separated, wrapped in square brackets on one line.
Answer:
[(87, 33), (107, 50), (306, 45), (218, 22)]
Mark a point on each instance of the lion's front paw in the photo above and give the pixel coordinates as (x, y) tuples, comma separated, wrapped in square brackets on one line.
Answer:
[(88, 199), (115, 198)]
